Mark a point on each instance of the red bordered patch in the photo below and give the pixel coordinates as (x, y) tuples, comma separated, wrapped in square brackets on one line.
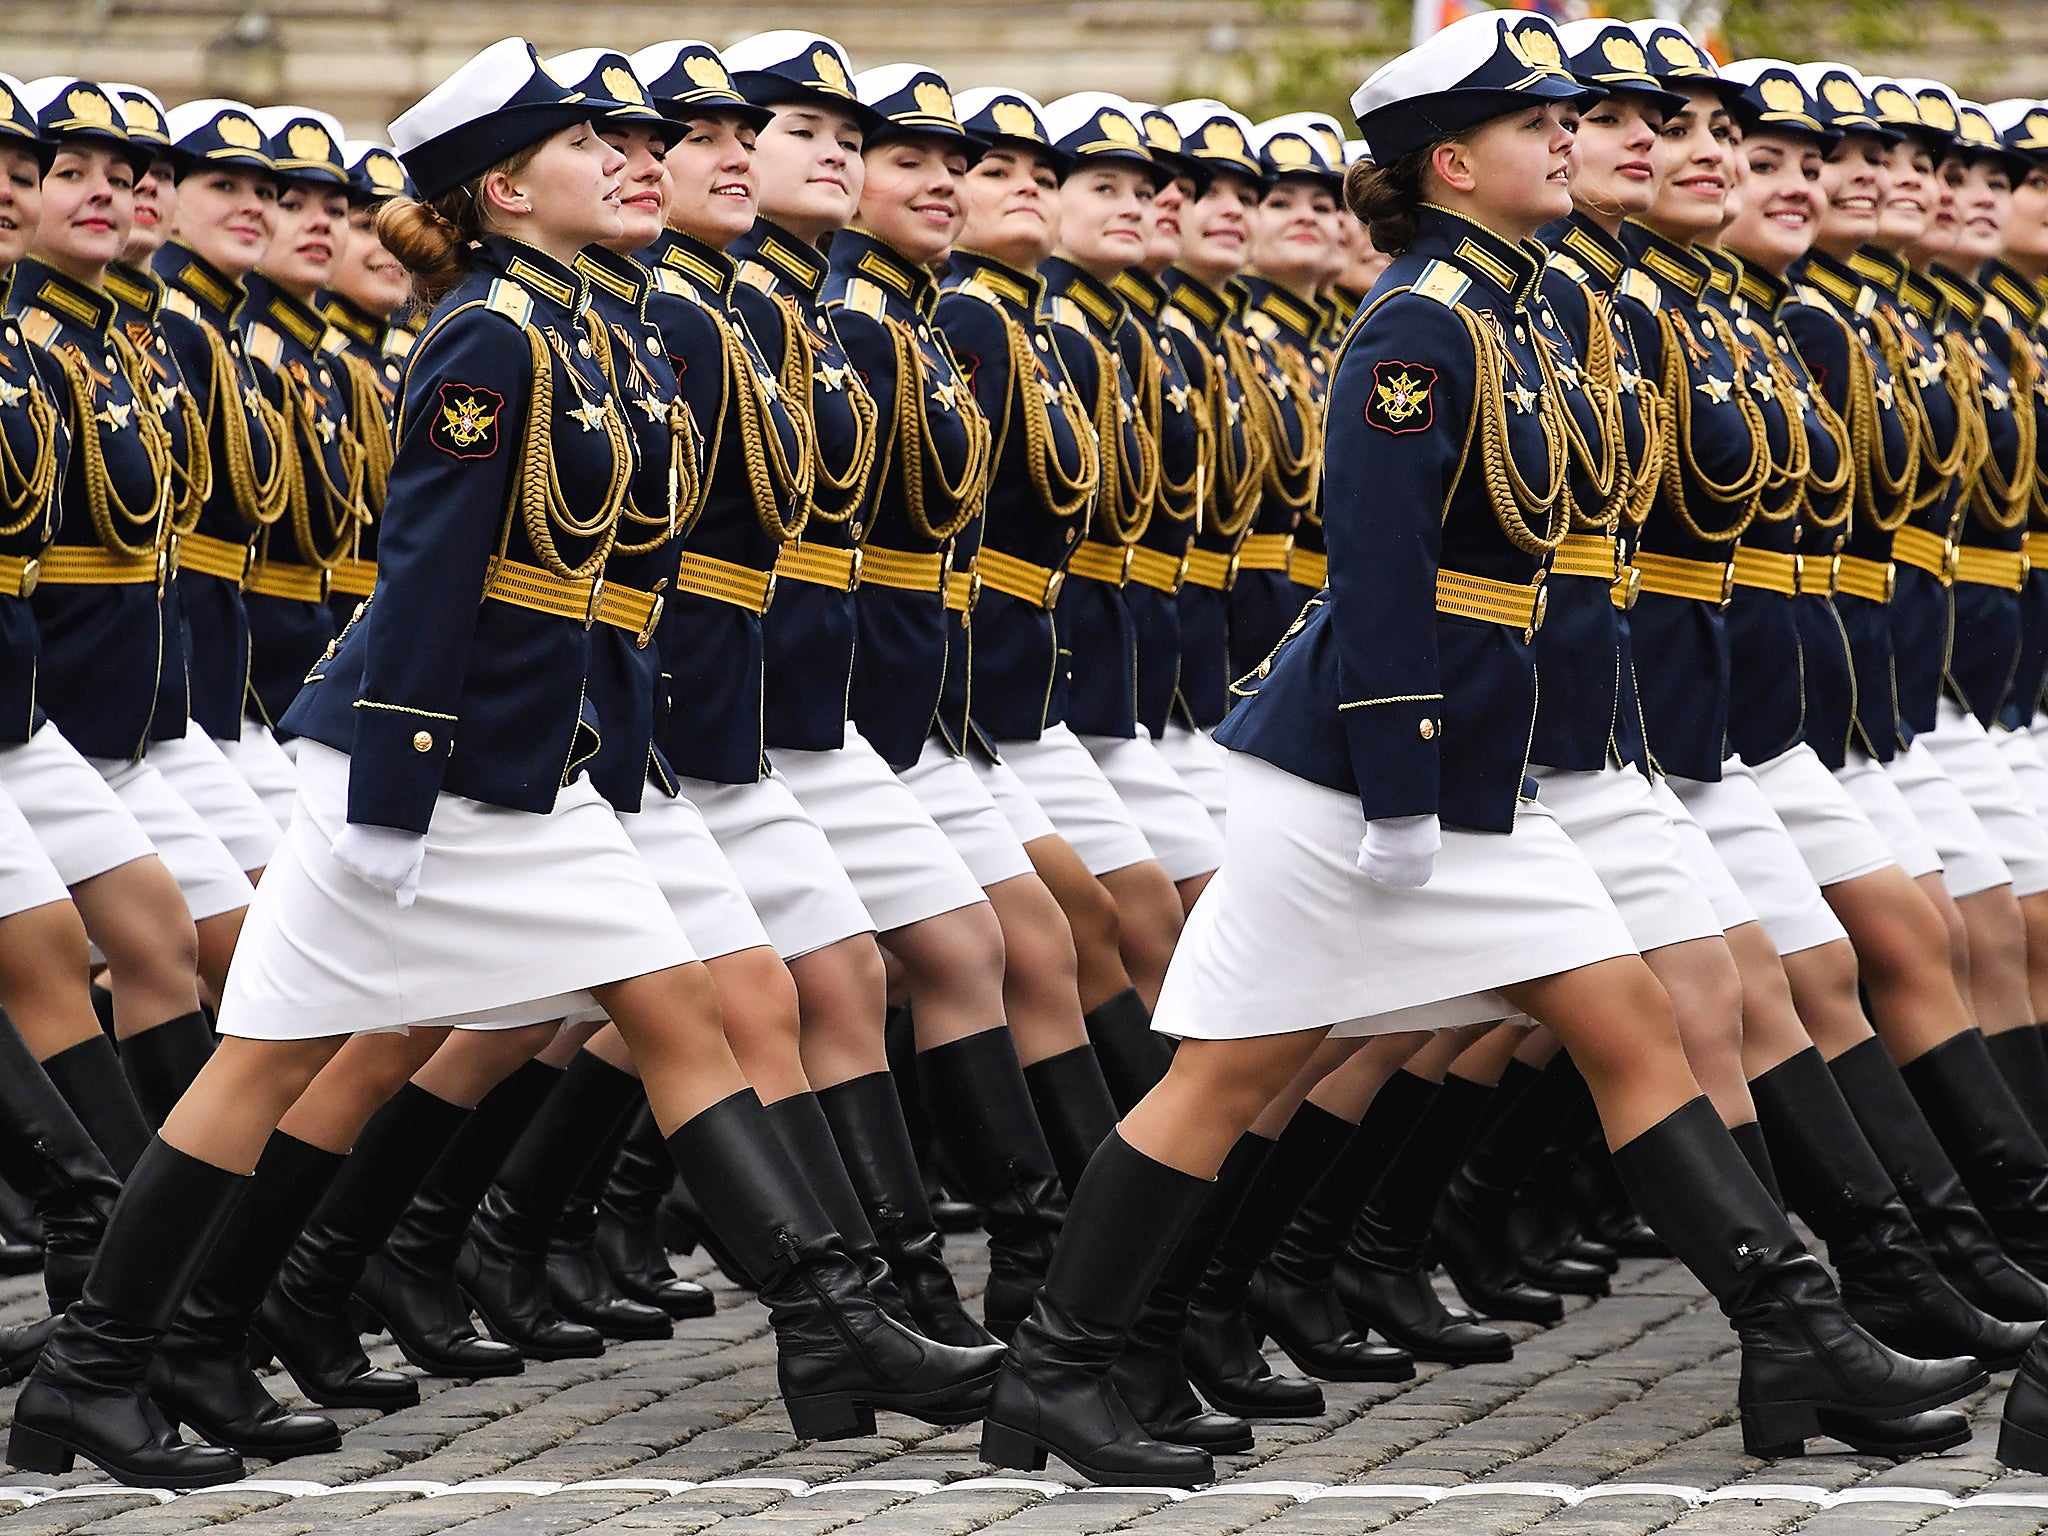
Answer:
[(465, 424), (1400, 401)]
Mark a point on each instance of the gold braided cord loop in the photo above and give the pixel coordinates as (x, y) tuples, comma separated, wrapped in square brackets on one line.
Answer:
[(917, 450), (1178, 499), (1240, 479), (1515, 502), (1998, 499), (1937, 470), (1124, 507), (1964, 376), (1681, 464), (684, 490), (1062, 493), (260, 502), (849, 486), (196, 472), (1884, 499), (1291, 473), (120, 529), (778, 479), (538, 497), (366, 412), (25, 493), (1603, 463)]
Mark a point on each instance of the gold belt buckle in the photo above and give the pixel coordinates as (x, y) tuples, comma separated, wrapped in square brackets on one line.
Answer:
[(1130, 555), (973, 587), (1621, 565), (596, 601), (653, 620), (853, 576)]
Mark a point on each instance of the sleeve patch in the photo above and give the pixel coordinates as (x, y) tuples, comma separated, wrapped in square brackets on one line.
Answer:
[(465, 422), (1400, 402)]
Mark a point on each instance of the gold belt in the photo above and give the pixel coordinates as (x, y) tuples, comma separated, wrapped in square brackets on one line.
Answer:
[(962, 589), (1819, 575), (18, 575), (819, 565), (215, 557), (1767, 570), (302, 583), (1207, 568), (1588, 554), (726, 581), (355, 578), (1038, 585), (1704, 581), (1158, 570), (1493, 602), (72, 565), (1265, 552), (593, 602), (903, 570), (1872, 580), (2002, 568), (1097, 561), (1930, 552), (2036, 546), (1308, 568)]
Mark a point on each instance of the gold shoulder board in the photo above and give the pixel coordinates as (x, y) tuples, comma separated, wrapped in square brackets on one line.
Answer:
[(755, 275), (975, 287), (178, 302), (1568, 266), (1442, 282), (1175, 320), (674, 284), (866, 298), (38, 325), (1064, 311), (1995, 310), (334, 344), (1806, 293), (400, 342), (1262, 325), (265, 345), (1642, 287), (507, 298)]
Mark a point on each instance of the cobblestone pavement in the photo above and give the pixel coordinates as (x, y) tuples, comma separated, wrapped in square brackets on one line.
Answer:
[(1619, 1422)]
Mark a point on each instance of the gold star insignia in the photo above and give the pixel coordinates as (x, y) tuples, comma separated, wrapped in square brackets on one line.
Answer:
[(252, 397), (166, 399), (947, 393), (1524, 398), (1177, 397), (11, 395), (591, 417), (655, 410), (1628, 379), (1887, 394), (1802, 400), (115, 416), (832, 376), (1927, 371), (1763, 387), (1232, 405), (1716, 390), (1568, 375), (323, 427), (1997, 397), (769, 388), (1123, 409)]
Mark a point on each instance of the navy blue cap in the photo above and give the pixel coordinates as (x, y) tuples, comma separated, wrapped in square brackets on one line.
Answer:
[(500, 102), (1608, 54), (1478, 68), (998, 116), (773, 69), (686, 78)]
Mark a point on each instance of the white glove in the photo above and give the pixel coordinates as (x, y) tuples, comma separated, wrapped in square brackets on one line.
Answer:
[(1400, 851), (385, 857)]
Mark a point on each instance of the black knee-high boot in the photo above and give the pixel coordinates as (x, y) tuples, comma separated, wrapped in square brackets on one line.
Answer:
[(2023, 1063), (807, 1136), (410, 1285), (1133, 1057), (1055, 1394), (89, 1076), (579, 1281), (305, 1318), (1381, 1279), (626, 1218), (1889, 1282), (866, 1118), (979, 1103), (503, 1265), (1074, 1107), (1557, 1253), (87, 1396), (201, 1374), (1807, 1369), (839, 1356), (48, 1157), (1755, 1147), (1964, 1246), (160, 1062), (2002, 1161), (1291, 1294), (2023, 1429), (1151, 1374)]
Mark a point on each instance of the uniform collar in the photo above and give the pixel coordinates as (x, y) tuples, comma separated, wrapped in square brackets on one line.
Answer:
[(1291, 314), (1023, 290), (1505, 266), (2024, 299), (620, 276), (353, 321), (1097, 300), (1843, 287), (1723, 273), (272, 305), (1602, 255), (1143, 292), (184, 269), (1343, 309), (792, 262), (137, 287), (1922, 296), (858, 254), (1197, 300), (1676, 266), (1959, 295), (704, 265), (537, 272), (1760, 290), (45, 288), (1883, 271)]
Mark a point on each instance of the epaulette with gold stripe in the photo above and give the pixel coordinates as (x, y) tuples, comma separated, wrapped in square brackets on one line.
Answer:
[(1806, 293), (1261, 324), (178, 302), (38, 325), (1441, 281), (1566, 266), (1176, 320), (265, 345), (400, 342), (757, 275), (675, 285), (334, 344), (507, 298), (1062, 310), (1640, 286), (866, 298)]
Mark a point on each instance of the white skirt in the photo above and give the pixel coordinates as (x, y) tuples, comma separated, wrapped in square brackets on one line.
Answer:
[(27, 877), (1834, 836), (694, 875), (1886, 810), (210, 876), (518, 917), (1290, 936), (1019, 806), (84, 828), (266, 767), (1731, 908), (965, 807), (784, 862), (1630, 841), (1749, 838), (1177, 826), (196, 769), (2023, 755), (1195, 756), (902, 866), (1969, 864), (1078, 797), (1986, 781)]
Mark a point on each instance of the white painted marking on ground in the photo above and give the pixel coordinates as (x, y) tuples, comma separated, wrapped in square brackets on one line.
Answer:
[(912, 1488)]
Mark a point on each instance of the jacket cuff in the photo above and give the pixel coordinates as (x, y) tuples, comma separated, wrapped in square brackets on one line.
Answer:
[(1394, 753), (397, 765)]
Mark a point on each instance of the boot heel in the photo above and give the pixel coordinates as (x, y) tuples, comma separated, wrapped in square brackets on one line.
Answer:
[(1777, 1432), (833, 1417), (1005, 1447), (31, 1450), (2023, 1449)]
